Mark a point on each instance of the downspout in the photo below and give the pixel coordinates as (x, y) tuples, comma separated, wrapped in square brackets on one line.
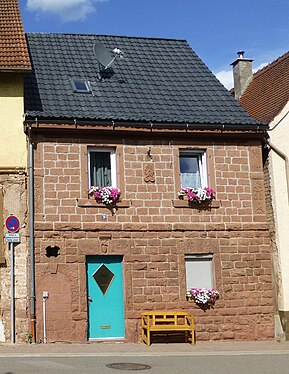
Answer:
[(285, 158), (31, 227)]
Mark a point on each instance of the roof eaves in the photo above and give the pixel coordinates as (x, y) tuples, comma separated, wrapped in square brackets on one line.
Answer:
[(148, 124), (15, 70)]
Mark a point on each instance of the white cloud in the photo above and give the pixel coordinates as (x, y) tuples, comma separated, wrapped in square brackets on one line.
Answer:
[(67, 10), (261, 66), (226, 76)]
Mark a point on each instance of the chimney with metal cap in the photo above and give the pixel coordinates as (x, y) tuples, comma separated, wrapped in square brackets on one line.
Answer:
[(243, 74)]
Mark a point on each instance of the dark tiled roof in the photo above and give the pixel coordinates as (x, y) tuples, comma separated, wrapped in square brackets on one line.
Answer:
[(13, 48), (159, 80), (267, 94)]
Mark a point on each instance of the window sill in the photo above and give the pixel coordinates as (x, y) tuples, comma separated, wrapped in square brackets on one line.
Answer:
[(91, 203), (185, 204)]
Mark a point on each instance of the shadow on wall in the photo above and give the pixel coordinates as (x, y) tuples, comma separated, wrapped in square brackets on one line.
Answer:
[(59, 324)]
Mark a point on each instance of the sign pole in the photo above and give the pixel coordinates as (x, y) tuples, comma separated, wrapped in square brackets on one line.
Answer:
[(12, 224), (11, 244)]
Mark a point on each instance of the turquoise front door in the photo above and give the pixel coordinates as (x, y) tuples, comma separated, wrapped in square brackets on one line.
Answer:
[(105, 297)]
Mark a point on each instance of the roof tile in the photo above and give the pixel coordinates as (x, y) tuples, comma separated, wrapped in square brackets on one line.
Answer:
[(267, 94), (13, 47), (159, 80)]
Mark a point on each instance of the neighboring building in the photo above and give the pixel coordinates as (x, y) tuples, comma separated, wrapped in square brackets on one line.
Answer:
[(14, 62), (151, 122), (266, 99)]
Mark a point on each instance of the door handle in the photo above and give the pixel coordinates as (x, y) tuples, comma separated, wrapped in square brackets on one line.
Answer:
[(89, 299)]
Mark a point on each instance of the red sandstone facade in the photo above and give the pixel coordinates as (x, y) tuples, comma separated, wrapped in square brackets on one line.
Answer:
[(153, 230)]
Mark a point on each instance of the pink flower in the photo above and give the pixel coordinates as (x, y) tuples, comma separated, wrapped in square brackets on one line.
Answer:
[(197, 194), (105, 195), (203, 296)]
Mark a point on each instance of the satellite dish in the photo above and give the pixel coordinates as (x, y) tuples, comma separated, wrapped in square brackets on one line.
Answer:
[(105, 60), (103, 55)]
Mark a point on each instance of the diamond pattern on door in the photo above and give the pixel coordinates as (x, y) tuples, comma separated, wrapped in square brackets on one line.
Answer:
[(103, 277)]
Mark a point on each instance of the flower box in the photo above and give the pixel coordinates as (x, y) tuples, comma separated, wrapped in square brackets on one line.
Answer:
[(203, 296), (197, 195), (109, 196)]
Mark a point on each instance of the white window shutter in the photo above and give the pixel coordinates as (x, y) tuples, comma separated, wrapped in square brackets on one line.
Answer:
[(199, 272)]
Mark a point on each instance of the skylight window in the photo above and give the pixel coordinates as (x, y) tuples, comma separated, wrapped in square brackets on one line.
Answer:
[(80, 85)]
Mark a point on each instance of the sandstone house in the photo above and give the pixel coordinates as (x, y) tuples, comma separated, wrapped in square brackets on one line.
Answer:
[(150, 123)]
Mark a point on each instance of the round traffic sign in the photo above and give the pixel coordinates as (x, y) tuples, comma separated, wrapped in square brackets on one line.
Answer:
[(12, 223)]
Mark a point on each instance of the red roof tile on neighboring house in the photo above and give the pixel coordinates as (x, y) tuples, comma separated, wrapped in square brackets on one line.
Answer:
[(13, 47), (268, 92)]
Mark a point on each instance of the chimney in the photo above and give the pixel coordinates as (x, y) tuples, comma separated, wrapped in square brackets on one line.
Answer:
[(243, 74)]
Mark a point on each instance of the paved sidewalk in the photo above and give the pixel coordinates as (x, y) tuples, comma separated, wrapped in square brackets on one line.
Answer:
[(128, 349)]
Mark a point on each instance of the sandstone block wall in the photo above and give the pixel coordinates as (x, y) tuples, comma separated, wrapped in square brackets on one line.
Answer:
[(153, 231)]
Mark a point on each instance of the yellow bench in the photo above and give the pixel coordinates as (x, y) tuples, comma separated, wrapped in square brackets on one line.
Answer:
[(167, 321)]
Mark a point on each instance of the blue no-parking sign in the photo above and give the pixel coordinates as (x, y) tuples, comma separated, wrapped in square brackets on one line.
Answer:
[(12, 223)]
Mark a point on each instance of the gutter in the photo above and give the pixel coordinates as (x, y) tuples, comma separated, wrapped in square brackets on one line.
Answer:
[(31, 228), (280, 120), (285, 158), (15, 70), (107, 123)]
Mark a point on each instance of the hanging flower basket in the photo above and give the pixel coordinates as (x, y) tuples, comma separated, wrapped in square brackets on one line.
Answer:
[(203, 296), (108, 196), (197, 195)]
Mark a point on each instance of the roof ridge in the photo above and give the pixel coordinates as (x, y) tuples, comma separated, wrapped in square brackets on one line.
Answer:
[(106, 35), (271, 64)]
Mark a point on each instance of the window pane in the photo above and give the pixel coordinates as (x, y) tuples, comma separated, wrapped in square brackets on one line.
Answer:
[(189, 163), (103, 277), (199, 273), (190, 172), (100, 169), (80, 86)]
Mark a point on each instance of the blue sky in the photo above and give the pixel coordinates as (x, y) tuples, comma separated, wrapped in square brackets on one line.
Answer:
[(215, 30)]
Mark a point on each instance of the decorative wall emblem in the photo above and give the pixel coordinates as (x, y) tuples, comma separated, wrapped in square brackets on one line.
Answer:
[(104, 246), (149, 173), (255, 159), (258, 197)]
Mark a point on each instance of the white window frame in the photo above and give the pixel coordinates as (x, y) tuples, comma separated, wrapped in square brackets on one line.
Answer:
[(112, 152), (202, 160), (192, 263)]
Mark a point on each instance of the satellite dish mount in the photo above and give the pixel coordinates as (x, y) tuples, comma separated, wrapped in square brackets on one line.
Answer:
[(105, 59)]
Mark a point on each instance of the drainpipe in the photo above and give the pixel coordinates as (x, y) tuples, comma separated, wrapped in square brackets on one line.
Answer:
[(285, 158), (44, 299), (31, 219)]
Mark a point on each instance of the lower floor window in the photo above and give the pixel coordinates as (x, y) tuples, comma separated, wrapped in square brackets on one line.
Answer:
[(199, 271)]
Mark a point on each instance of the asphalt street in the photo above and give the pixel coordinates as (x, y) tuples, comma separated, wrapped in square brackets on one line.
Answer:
[(237, 363)]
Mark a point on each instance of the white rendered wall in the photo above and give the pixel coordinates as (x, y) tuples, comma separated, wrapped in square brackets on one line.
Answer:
[(279, 137)]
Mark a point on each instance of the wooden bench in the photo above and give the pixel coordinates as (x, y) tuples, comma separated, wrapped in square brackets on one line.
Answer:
[(161, 321)]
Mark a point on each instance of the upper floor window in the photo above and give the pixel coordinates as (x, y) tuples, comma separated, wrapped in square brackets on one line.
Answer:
[(193, 168), (102, 167)]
